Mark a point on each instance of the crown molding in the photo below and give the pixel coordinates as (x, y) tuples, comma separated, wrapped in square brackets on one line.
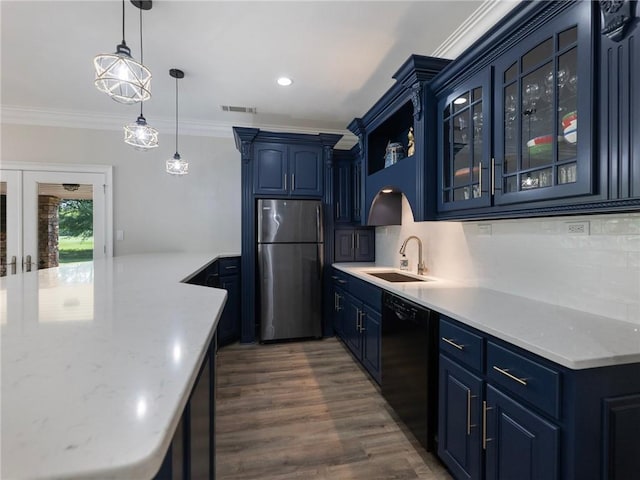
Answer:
[(480, 21), (11, 114)]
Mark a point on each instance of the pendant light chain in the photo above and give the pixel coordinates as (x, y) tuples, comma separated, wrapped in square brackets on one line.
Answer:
[(123, 42), (176, 114)]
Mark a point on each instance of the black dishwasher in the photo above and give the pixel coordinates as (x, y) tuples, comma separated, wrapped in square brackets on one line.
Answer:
[(409, 355)]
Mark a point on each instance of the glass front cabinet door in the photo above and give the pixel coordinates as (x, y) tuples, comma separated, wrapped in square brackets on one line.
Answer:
[(542, 112), (465, 147)]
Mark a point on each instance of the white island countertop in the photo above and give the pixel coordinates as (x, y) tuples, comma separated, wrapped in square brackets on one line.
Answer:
[(98, 360), (572, 338)]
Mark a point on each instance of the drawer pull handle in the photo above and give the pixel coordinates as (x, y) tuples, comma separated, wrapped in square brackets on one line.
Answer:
[(342, 282), (506, 373), (233, 267), (468, 412), (333, 277), (485, 440), (453, 344)]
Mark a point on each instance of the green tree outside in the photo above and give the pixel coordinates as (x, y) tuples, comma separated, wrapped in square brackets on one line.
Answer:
[(75, 224)]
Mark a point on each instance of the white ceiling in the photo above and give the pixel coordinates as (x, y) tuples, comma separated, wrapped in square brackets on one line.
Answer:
[(340, 54)]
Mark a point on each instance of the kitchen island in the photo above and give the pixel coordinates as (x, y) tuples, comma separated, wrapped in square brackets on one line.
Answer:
[(98, 362)]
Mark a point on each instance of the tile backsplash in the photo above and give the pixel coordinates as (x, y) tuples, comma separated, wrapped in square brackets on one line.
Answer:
[(597, 271)]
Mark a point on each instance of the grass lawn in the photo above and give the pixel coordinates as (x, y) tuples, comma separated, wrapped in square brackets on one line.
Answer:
[(75, 249)]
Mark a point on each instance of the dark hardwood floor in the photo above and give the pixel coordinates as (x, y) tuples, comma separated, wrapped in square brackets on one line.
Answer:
[(305, 410)]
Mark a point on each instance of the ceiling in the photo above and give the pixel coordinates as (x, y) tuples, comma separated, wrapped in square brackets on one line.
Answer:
[(340, 54)]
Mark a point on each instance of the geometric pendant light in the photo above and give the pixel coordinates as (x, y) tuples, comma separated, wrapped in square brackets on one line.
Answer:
[(176, 165), (119, 75), (139, 134)]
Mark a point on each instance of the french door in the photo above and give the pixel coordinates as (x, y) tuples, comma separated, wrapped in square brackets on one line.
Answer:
[(28, 196)]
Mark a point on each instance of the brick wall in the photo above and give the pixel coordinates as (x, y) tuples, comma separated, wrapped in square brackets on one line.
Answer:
[(48, 231)]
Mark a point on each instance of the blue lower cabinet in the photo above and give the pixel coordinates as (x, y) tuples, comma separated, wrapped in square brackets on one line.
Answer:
[(229, 323), (519, 444), (505, 413), (370, 325), (352, 335), (338, 311), (621, 418), (497, 409), (191, 453), (224, 273), (459, 432), (357, 320)]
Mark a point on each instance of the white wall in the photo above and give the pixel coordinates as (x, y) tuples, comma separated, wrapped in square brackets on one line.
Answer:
[(536, 258), (199, 212)]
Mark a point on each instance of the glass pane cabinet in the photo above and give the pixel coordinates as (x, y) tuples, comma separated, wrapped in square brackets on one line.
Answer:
[(465, 148), (509, 134), (542, 87)]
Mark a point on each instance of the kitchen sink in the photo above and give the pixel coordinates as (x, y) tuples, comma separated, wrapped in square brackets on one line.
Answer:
[(396, 277)]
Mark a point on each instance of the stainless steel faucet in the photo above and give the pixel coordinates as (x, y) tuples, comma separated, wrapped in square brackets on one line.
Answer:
[(421, 268)]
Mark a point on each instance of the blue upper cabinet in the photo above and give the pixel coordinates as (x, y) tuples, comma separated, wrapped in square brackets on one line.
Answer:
[(347, 186), (305, 170), (342, 191), (397, 143), (509, 140), (294, 170), (271, 169), (464, 148), (541, 149)]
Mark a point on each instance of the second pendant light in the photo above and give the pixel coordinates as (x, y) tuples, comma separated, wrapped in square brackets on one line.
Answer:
[(141, 135)]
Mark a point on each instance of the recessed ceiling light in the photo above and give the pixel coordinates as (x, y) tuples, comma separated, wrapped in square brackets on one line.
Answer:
[(284, 81), (387, 190)]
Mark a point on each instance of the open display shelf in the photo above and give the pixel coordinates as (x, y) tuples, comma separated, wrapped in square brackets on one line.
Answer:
[(395, 129)]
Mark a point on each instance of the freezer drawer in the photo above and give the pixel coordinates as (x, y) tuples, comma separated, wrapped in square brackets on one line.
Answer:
[(290, 290)]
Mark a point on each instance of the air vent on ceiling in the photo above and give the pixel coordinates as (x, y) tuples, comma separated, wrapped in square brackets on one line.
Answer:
[(230, 108)]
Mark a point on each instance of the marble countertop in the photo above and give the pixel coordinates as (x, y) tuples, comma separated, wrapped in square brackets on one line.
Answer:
[(98, 359), (572, 338)]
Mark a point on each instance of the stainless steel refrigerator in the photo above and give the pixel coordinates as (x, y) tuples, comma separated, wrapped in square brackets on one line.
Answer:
[(290, 261)]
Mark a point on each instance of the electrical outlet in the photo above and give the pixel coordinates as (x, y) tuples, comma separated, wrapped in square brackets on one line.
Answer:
[(577, 228), (484, 229), (119, 235)]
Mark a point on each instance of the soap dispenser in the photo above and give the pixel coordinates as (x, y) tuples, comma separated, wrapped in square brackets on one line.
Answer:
[(404, 262)]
